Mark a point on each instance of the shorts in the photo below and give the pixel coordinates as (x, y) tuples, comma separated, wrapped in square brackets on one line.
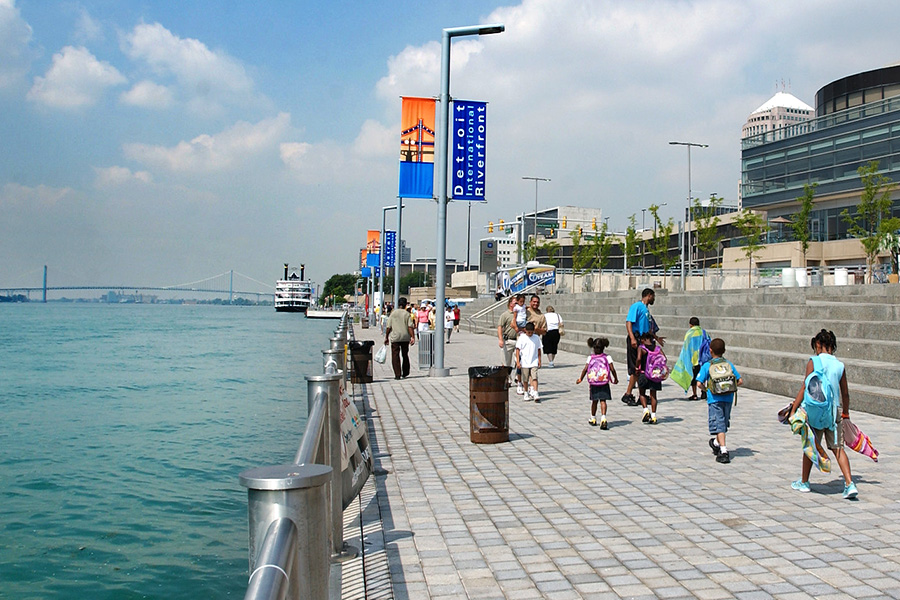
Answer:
[(719, 417), (647, 384), (696, 372), (630, 355), (600, 392), (529, 374), (830, 437)]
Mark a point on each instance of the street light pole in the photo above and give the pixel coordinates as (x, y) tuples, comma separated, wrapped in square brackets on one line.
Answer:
[(536, 180), (441, 164), (685, 246), (398, 250), (381, 261)]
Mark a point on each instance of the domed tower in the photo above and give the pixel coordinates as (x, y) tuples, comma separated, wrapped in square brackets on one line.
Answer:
[(780, 111)]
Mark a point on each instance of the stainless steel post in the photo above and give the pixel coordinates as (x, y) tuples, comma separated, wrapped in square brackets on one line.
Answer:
[(331, 385), (298, 493)]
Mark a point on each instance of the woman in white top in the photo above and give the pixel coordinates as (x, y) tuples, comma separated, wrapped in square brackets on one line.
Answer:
[(448, 321), (550, 340)]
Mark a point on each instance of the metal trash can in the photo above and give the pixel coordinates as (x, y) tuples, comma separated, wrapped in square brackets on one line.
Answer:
[(425, 341), (364, 321), (489, 404), (360, 361)]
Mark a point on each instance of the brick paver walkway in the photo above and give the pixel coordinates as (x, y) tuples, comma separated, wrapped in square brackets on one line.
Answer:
[(565, 510)]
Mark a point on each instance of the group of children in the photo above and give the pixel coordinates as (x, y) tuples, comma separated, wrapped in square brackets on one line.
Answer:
[(651, 370), (719, 379)]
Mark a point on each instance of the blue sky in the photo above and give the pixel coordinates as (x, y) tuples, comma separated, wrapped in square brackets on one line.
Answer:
[(155, 143)]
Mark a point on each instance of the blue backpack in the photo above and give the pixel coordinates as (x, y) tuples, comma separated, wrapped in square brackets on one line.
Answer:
[(819, 398), (705, 354)]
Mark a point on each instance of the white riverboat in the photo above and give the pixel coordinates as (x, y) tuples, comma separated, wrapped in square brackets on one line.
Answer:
[(293, 293)]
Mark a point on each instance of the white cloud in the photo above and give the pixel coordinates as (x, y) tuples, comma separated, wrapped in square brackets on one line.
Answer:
[(114, 176), (377, 141), (75, 79), (87, 29), (208, 79), (15, 39), (147, 94), (208, 153)]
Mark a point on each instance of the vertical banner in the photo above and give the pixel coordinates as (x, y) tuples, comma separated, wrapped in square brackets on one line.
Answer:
[(390, 249), (373, 241), (362, 257), (417, 148), (469, 135)]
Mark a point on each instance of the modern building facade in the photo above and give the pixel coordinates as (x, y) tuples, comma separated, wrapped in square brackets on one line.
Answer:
[(857, 121), (780, 112)]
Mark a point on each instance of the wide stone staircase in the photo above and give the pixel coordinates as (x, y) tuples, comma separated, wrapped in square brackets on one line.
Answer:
[(767, 332)]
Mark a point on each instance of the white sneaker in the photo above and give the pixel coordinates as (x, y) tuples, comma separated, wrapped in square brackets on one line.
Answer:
[(535, 396), (519, 389), (528, 397), (551, 365)]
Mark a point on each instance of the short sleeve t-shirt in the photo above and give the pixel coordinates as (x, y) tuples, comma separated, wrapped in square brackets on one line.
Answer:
[(703, 377), (639, 317), (553, 321), (521, 315), (528, 346)]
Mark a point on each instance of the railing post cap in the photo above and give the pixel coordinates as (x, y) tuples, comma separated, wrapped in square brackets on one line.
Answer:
[(285, 477), (324, 378)]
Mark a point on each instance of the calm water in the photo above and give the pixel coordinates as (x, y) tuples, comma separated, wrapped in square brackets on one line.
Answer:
[(124, 428)]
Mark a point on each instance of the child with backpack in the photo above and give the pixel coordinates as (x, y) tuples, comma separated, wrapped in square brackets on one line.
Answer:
[(600, 372), (825, 378), (720, 379), (652, 369)]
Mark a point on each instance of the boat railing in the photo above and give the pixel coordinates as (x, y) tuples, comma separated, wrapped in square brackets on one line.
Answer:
[(295, 510)]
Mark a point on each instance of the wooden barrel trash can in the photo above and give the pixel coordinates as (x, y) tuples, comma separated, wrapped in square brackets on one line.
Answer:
[(489, 404)]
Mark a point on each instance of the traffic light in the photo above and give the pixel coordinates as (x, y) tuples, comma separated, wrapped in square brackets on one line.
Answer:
[(594, 223), (564, 223), (490, 227), (551, 232)]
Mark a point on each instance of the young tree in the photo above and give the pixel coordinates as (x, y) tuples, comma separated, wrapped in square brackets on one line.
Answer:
[(603, 244), (552, 249), (874, 207), (659, 244), (339, 285), (632, 240), (706, 220), (752, 226), (529, 250), (800, 223), (890, 229)]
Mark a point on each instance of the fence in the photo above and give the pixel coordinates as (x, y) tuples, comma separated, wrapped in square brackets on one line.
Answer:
[(296, 510)]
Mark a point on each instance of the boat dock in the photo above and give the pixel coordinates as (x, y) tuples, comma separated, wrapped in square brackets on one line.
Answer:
[(565, 510)]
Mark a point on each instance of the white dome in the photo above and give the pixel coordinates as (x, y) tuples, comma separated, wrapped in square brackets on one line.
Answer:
[(783, 100)]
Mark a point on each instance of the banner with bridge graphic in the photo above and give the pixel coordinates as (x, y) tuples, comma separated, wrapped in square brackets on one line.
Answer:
[(417, 148)]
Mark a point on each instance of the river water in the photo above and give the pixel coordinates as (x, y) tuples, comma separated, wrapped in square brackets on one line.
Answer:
[(124, 428)]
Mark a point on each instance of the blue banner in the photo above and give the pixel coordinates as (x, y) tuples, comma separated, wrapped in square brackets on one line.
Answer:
[(390, 249), (373, 259), (469, 136), (366, 271)]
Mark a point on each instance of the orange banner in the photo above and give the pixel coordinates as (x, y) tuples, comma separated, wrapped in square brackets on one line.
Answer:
[(417, 130), (373, 243)]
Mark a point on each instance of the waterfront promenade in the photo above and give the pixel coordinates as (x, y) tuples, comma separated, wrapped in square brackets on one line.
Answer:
[(565, 510)]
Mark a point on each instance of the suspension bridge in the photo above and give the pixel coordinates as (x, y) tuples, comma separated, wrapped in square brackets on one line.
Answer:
[(223, 283)]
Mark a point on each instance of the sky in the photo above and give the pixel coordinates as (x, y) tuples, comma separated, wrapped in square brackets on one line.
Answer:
[(155, 143)]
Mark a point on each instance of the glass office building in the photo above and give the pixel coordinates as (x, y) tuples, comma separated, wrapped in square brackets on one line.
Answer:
[(857, 121)]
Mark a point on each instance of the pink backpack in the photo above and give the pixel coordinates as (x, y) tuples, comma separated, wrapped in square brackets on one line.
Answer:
[(656, 368), (598, 370)]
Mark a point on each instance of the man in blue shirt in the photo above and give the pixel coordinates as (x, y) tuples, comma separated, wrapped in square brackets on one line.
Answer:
[(637, 322)]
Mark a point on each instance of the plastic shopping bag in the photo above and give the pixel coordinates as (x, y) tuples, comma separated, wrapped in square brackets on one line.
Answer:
[(381, 355)]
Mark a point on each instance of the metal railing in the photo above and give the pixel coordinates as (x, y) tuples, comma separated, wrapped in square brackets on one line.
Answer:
[(295, 510), (501, 303)]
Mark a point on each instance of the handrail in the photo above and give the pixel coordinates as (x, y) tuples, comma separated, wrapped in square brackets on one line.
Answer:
[(296, 512), (315, 423)]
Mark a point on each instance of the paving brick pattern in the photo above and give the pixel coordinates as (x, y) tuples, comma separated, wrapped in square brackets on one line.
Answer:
[(565, 510)]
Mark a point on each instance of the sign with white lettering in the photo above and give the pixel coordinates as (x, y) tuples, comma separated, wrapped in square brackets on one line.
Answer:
[(469, 125), (390, 249)]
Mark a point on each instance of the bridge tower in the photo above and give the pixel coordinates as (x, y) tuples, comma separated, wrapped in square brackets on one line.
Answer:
[(45, 284)]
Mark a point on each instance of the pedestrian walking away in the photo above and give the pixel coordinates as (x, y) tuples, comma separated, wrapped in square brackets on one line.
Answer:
[(448, 321), (401, 333), (816, 408), (719, 378), (651, 369), (551, 338), (637, 323), (600, 372), (694, 352)]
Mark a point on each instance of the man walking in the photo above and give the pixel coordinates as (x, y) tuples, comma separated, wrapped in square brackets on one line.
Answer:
[(401, 332), (637, 323), (507, 332)]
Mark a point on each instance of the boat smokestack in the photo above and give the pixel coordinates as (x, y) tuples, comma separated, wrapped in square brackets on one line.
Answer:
[(285, 270), (302, 270)]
